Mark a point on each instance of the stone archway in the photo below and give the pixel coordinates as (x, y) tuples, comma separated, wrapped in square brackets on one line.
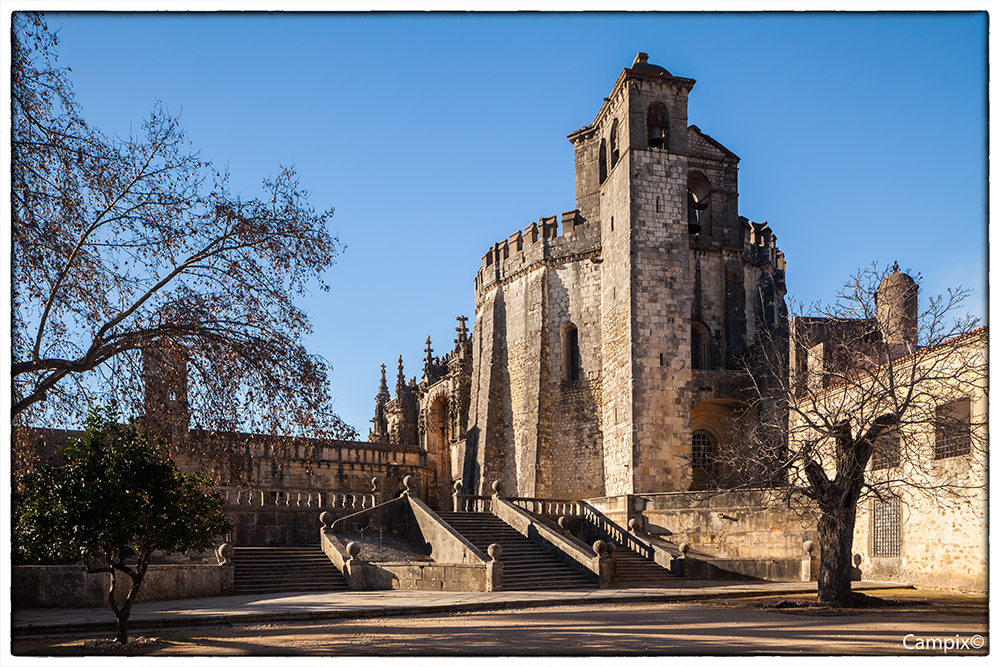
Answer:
[(716, 446), (438, 437)]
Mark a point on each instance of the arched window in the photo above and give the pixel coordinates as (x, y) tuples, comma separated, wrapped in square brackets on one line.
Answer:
[(699, 204), (570, 353), (702, 460), (656, 125), (602, 160), (701, 350), (614, 143)]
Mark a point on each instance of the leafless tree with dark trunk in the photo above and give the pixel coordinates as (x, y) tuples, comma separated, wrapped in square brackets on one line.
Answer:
[(126, 245), (880, 398)]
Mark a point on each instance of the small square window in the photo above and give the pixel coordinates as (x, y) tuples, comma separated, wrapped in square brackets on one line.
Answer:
[(886, 452), (952, 430)]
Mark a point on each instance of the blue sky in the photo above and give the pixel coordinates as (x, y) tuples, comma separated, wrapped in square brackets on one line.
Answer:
[(862, 138)]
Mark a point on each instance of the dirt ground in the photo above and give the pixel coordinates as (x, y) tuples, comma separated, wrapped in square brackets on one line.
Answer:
[(897, 622)]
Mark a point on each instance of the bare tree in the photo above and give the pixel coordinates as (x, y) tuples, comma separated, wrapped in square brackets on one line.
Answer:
[(875, 396), (121, 245)]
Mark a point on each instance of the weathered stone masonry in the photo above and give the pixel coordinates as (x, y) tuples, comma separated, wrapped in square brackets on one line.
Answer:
[(606, 339)]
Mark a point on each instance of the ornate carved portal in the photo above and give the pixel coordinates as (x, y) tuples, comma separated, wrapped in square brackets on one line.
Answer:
[(438, 436)]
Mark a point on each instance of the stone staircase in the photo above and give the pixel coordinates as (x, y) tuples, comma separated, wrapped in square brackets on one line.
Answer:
[(526, 566), (258, 570), (632, 570)]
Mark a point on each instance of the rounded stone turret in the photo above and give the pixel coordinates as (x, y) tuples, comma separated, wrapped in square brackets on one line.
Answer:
[(896, 309)]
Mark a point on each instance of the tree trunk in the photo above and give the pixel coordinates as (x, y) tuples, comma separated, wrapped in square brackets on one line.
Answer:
[(122, 613), (838, 513)]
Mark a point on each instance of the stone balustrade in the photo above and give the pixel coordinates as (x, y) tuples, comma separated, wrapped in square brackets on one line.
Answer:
[(296, 498), (468, 503), (549, 506)]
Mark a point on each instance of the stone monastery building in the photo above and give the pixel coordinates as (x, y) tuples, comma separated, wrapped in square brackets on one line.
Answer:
[(612, 346)]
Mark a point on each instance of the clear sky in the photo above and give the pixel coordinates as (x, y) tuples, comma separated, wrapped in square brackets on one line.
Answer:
[(862, 138)]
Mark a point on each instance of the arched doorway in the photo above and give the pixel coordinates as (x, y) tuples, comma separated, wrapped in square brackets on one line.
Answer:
[(438, 444)]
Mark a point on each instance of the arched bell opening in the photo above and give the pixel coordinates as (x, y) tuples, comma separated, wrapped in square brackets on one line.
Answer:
[(657, 126), (699, 192)]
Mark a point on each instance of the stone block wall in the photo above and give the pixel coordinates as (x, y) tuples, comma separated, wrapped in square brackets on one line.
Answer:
[(732, 525), (72, 586), (616, 333), (660, 318), (943, 543)]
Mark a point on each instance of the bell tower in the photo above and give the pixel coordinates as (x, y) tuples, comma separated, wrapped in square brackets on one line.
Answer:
[(167, 412), (631, 168)]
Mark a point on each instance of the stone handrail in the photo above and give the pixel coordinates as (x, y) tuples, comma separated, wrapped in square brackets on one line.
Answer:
[(549, 506), (615, 533), (385, 515), (296, 498)]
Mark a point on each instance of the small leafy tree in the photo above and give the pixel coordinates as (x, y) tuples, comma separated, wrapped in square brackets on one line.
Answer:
[(117, 499)]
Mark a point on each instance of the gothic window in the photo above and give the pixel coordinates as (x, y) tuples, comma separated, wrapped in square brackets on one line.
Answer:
[(602, 159), (614, 143), (570, 353), (702, 463), (885, 533), (700, 348), (656, 125), (886, 451), (952, 430)]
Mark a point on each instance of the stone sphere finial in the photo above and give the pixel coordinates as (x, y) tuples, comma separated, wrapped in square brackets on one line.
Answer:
[(458, 487), (326, 518), (495, 551), (353, 549), (496, 487), (684, 548), (562, 522), (601, 548), (808, 546), (409, 483), (632, 525), (225, 553)]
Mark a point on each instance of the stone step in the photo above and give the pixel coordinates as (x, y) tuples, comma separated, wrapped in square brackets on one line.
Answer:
[(258, 570), (526, 565)]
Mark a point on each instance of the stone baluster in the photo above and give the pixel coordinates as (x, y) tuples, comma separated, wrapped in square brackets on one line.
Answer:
[(456, 500)]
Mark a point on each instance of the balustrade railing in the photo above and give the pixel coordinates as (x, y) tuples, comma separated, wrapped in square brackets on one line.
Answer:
[(610, 530), (466, 503), (296, 498), (549, 506)]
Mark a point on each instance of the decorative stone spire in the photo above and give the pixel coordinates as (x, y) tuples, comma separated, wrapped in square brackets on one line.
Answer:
[(400, 379), (463, 333), (380, 425), (428, 358), (383, 389)]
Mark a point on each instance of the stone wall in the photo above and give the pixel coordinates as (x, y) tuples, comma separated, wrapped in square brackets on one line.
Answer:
[(72, 586), (732, 525)]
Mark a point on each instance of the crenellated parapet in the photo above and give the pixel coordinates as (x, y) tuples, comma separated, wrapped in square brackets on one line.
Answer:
[(762, 245), (542, 242)]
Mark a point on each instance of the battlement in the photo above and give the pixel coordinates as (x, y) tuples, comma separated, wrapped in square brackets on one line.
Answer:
[(762, 244), (537, 242)]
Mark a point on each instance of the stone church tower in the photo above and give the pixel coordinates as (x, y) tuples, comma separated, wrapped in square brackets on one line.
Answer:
[(610, 357)]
